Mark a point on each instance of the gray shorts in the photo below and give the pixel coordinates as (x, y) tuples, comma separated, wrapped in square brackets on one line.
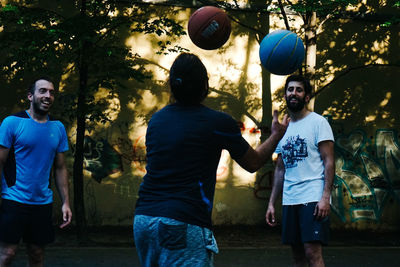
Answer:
[(299, 225), (163, 241)]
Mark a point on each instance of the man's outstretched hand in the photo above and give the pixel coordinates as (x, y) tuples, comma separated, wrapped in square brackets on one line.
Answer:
[(279, 129)]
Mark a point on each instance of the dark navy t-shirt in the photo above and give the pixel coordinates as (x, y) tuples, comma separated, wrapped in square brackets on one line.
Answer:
[(184, 145)]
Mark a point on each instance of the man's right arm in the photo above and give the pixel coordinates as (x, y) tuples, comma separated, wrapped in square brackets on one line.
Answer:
[(5, 129), (3, 157), (277, 187), (254, 159)]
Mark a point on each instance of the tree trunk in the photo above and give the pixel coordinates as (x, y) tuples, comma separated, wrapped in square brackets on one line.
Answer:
[(311, 50), (266, 96), (79, 203), (266, 105), (265, 125)]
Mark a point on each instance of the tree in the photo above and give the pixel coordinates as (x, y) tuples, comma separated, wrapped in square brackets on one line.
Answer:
[(322, 23), (80, 44), (315, 13), (308, 10)]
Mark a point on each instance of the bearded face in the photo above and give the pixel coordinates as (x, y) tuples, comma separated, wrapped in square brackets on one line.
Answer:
[(42, 98), (295, 103), (295, 96), (41, 105)]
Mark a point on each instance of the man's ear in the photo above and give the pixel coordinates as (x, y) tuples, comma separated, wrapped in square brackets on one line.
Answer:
[(30, 96)]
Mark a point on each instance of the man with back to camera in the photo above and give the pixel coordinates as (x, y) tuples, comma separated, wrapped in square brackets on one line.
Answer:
[(31, 143), (305, 171), (184, 140)]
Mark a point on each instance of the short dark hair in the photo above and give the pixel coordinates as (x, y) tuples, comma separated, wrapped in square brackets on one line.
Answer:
[(32, 86), (299, 78), (188, 79)]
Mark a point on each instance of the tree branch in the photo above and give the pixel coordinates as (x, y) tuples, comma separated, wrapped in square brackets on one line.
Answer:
[(222, 93), (228, 95), (146, 61), (285, 19), (340, 75), (247, 26), (42, 10)]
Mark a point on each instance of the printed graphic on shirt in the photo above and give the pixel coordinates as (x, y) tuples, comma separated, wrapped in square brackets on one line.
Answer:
[(294, 150)]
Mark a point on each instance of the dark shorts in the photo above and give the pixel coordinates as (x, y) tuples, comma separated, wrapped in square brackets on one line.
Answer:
[(299, 225), (33, 223)]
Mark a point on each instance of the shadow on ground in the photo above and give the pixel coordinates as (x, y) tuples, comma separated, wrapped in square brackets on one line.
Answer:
[(227, 236), (240, 246)]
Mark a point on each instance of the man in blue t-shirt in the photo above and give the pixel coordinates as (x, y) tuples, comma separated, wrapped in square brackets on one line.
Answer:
[(31, 143), (304, 171), (184, 140)]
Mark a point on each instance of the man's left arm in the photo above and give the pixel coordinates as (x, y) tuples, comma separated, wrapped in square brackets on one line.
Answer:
[(326, 149), (62, 188)]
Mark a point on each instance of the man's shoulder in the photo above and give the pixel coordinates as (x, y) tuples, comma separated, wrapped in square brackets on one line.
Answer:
[(197, 109), (216, 113), (54, 119), (55, 122), (316, 117), (15, 118), (314, 114), (20, 114)]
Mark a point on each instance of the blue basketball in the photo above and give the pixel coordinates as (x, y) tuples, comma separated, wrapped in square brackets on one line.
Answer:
[(281, 52)]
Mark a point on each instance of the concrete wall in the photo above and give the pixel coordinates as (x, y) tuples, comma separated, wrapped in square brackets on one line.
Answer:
[(363, 110), (361, 106)]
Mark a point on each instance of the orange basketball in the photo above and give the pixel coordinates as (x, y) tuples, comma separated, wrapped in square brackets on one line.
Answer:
[(209, 27)]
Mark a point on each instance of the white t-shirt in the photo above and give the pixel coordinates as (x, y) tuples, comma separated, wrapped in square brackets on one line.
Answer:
[(304, 168)]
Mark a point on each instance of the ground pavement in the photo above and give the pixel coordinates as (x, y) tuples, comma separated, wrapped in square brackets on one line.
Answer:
[(239, 246)]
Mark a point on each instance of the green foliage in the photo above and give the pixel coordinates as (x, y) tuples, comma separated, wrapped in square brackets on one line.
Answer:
[(395, 19), (322, 7), (82, 44), (37, 40)]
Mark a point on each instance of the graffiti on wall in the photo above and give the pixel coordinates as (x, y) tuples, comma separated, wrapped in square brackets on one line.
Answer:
[(263, 184), (367, 170), (100, 158), (367, 174)]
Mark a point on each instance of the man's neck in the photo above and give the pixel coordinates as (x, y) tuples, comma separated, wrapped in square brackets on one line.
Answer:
[(296, 116), (37, 117)]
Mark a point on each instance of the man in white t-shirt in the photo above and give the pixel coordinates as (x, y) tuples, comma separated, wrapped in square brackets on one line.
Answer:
[(305, 171)]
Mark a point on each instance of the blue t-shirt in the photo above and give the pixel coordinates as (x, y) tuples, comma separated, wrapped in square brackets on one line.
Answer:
[(184, 145), (33, 146)]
